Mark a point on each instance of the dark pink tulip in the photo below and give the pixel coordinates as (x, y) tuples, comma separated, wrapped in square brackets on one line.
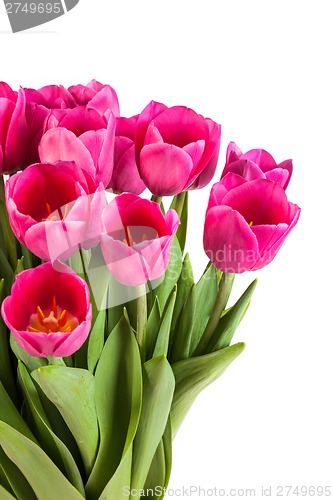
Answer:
[(54, 209), (48, 311), (51, 97), (13, 130), (257, 164), (137, 239), (95, 95), (91, 149), (177, 149), (246, 223), (125, 176)]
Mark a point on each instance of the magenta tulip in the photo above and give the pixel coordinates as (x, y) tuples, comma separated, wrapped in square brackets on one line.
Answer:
[(125, 176), (95, 95), (246, 223), (13, 130), (54, 209), (51, 97), (177, 149), (48, 311), (257, 164), (137, 239)]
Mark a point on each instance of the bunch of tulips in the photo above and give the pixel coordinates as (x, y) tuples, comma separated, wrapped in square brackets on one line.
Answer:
[(105, 337)]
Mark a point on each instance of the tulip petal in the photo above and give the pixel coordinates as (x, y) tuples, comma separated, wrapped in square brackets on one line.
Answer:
[(164, 168), (105, 99), (228, 240), (60, 144), (279, 175), (260, 202), (16, 143), (245, 168)]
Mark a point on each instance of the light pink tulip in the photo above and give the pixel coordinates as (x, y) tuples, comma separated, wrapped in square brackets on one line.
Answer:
[(246, 223), (177, 149), (48, 311), (257, 164), (137, 239)]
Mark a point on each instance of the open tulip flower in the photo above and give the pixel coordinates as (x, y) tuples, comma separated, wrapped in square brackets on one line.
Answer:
[(177, 149), (48, 311), (105, 347), (246, 223), (63, 216), (257, 164), (137, 239), (13, 129)]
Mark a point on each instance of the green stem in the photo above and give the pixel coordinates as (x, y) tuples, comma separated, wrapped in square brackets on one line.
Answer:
[(55, 361), (9, 238), (219, 306), (179, 203), (141, 320), (157, 199)]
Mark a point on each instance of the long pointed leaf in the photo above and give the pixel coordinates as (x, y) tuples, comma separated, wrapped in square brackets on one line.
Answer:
[(194, 374), (5, 495), (50, 442), (16, 480), (158, 389), (71, 390), (41, 473), (118, 394)]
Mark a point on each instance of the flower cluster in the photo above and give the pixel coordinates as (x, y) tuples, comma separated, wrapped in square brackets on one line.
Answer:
[(104, 330)]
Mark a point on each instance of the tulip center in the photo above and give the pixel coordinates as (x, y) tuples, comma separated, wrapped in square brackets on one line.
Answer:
[(58, 214), (52, 320), (139, 236)]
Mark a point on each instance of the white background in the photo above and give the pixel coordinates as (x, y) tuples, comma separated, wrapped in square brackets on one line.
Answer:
[(263, 69)]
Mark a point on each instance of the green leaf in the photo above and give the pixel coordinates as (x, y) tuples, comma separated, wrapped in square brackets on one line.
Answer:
[(15, 479), (49, 441), (20, 266), (120, 482), (184, 285), (160, 469), (27, 257), (182, 337), (118, 395), (72, 391), (153, 323), (194, 374), (158, 388), (10, 415), (180, 204), (41, 473), (230, 320), (96, 340), (31, 362), (5, 495), (6, 371), (171, 275), (162, 342), (6, 271)]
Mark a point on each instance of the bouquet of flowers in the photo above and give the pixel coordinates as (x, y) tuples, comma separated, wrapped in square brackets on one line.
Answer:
[(105, 337)]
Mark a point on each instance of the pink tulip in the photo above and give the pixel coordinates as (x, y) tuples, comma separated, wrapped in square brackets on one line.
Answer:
[(54, 209), (39, 104), (83, 136), (137, 239), (257, 164), (13, 130), (94, 95), (177, 149), (125, 176), (48, 311), (246, 223)]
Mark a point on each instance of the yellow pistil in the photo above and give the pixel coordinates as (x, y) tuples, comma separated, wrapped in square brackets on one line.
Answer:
[(251, 223), (52, 320)]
